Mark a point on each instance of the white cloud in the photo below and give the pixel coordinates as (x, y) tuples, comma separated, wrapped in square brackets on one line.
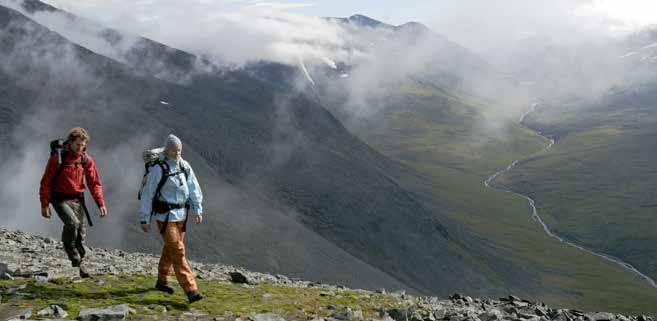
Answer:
[(230, 32), (278, 5), (239, 32), (630, 14)]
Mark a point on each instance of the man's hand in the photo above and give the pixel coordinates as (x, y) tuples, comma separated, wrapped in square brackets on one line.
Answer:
[(145, 227), (198, 219), (103, 211), (45, 211)]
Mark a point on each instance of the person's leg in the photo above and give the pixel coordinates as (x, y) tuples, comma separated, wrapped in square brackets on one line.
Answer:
[(165, 267), (82, 228), (69, 231), (180, 265), (77, 208)]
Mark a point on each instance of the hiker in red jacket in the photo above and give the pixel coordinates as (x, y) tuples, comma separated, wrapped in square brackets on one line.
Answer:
[(62, 185)]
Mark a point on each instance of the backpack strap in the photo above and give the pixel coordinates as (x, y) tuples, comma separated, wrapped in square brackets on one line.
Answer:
[(84, 160), (62, 161), (163, 179), (60, 167), (185, 171)]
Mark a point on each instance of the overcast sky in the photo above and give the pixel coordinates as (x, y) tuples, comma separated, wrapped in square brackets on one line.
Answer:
[(477, 24)]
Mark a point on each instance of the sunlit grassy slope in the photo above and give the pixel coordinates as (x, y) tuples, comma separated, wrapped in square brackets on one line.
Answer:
[(451, 142), (221, 297), (598, 186)]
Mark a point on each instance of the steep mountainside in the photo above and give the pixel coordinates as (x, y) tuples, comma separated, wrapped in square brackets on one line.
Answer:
[(288, 189), (127, 113)]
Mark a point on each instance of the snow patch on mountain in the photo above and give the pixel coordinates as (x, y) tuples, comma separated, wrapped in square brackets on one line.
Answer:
[(305, 72), (629, 54), (330, 62), (650, 46)]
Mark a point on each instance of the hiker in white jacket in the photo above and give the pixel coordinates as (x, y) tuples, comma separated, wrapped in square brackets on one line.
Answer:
[(169, 192)]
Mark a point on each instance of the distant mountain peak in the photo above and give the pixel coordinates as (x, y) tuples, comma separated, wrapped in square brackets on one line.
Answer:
[(413, 24), (365, 21), (414, 27)]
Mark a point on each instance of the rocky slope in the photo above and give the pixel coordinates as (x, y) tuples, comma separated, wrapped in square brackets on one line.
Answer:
[(38, 283)]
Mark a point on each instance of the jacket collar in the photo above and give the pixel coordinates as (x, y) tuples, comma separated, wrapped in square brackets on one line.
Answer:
[(164, 157), (74, 156)]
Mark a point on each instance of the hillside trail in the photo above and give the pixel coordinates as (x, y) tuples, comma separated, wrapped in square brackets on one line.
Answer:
[(489, 183)]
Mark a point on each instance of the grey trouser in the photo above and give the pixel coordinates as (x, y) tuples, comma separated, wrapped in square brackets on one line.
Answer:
[(72, 214)]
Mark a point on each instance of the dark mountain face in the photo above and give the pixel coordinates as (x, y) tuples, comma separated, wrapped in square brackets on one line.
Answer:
[(125, 114), (287, 188)]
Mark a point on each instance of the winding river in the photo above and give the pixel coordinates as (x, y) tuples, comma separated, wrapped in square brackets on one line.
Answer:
[(489, 183)]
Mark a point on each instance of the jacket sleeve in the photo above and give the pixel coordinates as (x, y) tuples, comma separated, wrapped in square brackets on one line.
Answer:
[(93, 182), (46, 180), (148, 192), (195, 194)]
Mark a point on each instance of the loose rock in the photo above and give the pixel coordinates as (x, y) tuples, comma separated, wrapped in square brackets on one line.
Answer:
[(265, 317), (117, 312)]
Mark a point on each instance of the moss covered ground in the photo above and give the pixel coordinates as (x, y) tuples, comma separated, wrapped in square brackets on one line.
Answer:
[(222, 298)]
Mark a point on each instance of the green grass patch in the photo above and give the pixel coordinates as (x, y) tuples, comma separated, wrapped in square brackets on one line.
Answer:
[(220, 297)]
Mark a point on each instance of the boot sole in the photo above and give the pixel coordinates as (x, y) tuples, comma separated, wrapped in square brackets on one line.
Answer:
[(165, 290)]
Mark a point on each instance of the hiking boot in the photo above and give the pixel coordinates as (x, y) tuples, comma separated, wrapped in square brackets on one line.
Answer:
[(163, 287), (84, 273), (194, 296)]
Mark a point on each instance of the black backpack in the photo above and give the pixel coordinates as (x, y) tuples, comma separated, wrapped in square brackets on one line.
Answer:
[(59, 147)]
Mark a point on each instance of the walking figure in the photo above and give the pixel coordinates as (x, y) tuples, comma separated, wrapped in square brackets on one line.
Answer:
[(169, 191), (62, 185)]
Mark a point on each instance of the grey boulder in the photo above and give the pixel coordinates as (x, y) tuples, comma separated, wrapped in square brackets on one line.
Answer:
[(117, 312)]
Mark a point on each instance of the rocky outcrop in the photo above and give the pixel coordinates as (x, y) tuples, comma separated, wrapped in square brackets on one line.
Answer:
[(40, 258), (26, 255)]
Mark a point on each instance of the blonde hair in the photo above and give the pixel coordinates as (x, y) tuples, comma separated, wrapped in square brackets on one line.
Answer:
[(77, 132)]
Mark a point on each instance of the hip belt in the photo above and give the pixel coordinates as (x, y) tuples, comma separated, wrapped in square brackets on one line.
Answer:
[(161, 207)]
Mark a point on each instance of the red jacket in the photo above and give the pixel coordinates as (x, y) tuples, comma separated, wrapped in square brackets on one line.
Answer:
[(70, 181)]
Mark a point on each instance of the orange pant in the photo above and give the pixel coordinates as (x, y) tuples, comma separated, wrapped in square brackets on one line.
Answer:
[(173, 257)]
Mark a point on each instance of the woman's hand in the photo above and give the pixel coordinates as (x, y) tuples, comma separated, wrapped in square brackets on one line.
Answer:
[(198, 219)]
